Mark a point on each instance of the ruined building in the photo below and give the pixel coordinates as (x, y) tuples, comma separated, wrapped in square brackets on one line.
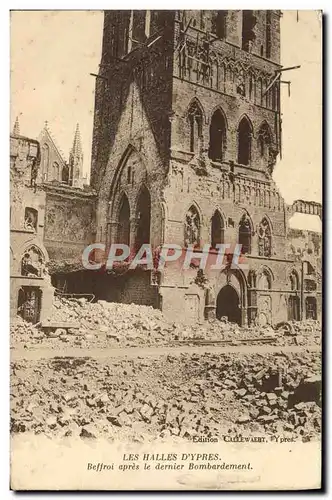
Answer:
[(50, 219), (187, 130)]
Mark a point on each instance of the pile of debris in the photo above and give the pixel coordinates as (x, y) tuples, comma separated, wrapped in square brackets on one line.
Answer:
[(77, 322), (300, 332), (171, 396)]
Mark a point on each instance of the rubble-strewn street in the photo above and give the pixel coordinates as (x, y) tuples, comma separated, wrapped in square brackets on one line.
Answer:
[(106, 324), (146, 397)]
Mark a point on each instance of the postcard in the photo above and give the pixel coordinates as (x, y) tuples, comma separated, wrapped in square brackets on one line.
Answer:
[(166, 250)]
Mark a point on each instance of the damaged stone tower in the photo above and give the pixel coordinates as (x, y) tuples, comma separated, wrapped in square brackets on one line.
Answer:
[(187, 130)]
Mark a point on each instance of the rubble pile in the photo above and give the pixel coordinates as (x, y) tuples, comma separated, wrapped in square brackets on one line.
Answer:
[(22, 331), (300, 332), (181, 396), (80, 323)]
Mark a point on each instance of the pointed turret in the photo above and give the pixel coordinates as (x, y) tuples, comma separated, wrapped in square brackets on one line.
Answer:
[(76, 160), (16, 129)]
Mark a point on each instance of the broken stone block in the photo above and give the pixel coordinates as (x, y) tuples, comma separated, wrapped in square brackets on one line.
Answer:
[(271, 396), (266, 410), (254, 413), (241, 392), (114, 420), (243, 419), (69, 396), (88, 432), (51, 422)]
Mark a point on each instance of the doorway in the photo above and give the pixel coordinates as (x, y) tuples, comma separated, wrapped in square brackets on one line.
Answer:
[(228, 304)]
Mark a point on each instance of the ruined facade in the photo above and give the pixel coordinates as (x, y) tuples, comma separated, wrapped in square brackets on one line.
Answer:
[(187, 130), (31, 293), (51, 221)]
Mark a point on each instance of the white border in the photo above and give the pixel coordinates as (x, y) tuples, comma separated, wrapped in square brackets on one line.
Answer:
[(4, 198)]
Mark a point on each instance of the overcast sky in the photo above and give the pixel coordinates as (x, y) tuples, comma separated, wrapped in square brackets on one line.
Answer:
[(54, 52)]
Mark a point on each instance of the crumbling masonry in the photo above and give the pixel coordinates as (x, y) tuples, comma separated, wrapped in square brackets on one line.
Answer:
[(187, 130)]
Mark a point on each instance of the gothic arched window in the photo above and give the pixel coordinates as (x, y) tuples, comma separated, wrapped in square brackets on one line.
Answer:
[(32, 262), (195, 118), (264, 281), (244, 142), (192, 227), (217, 136), (245, 234), (217, 229), (264, 239)]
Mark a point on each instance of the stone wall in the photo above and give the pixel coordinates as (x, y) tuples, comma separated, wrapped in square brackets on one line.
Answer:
[(69, 222)]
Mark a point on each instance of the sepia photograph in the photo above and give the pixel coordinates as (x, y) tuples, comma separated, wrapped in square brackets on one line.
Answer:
[(166, 250)]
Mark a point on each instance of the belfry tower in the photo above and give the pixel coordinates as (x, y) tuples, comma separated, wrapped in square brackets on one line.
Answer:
[(187, 131)]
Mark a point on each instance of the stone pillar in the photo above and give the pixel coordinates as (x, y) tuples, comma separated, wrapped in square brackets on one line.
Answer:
[(244, 316), (46, 302), (113, 231), (210, 304), (134, 221)]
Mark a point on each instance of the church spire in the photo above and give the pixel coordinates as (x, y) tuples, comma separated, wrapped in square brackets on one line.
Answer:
[(76, 160), (76, 150), (16, 129)]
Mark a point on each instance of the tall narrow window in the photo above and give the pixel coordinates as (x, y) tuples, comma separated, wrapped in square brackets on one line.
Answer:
[(245, 234), (56, 171), (294, 281), (192, 228), (252, 279), (217, 136), (219, 24), (45, 161), (144, 218), (30, 219), (264, 141), (157, 21), (264, 239), (311, 308), (124, 222), (294, 299), (244, 142), (248, 29), (138, 31), (195, 123), (268, 34), (65, 174), (251, 86), (217, 229)]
